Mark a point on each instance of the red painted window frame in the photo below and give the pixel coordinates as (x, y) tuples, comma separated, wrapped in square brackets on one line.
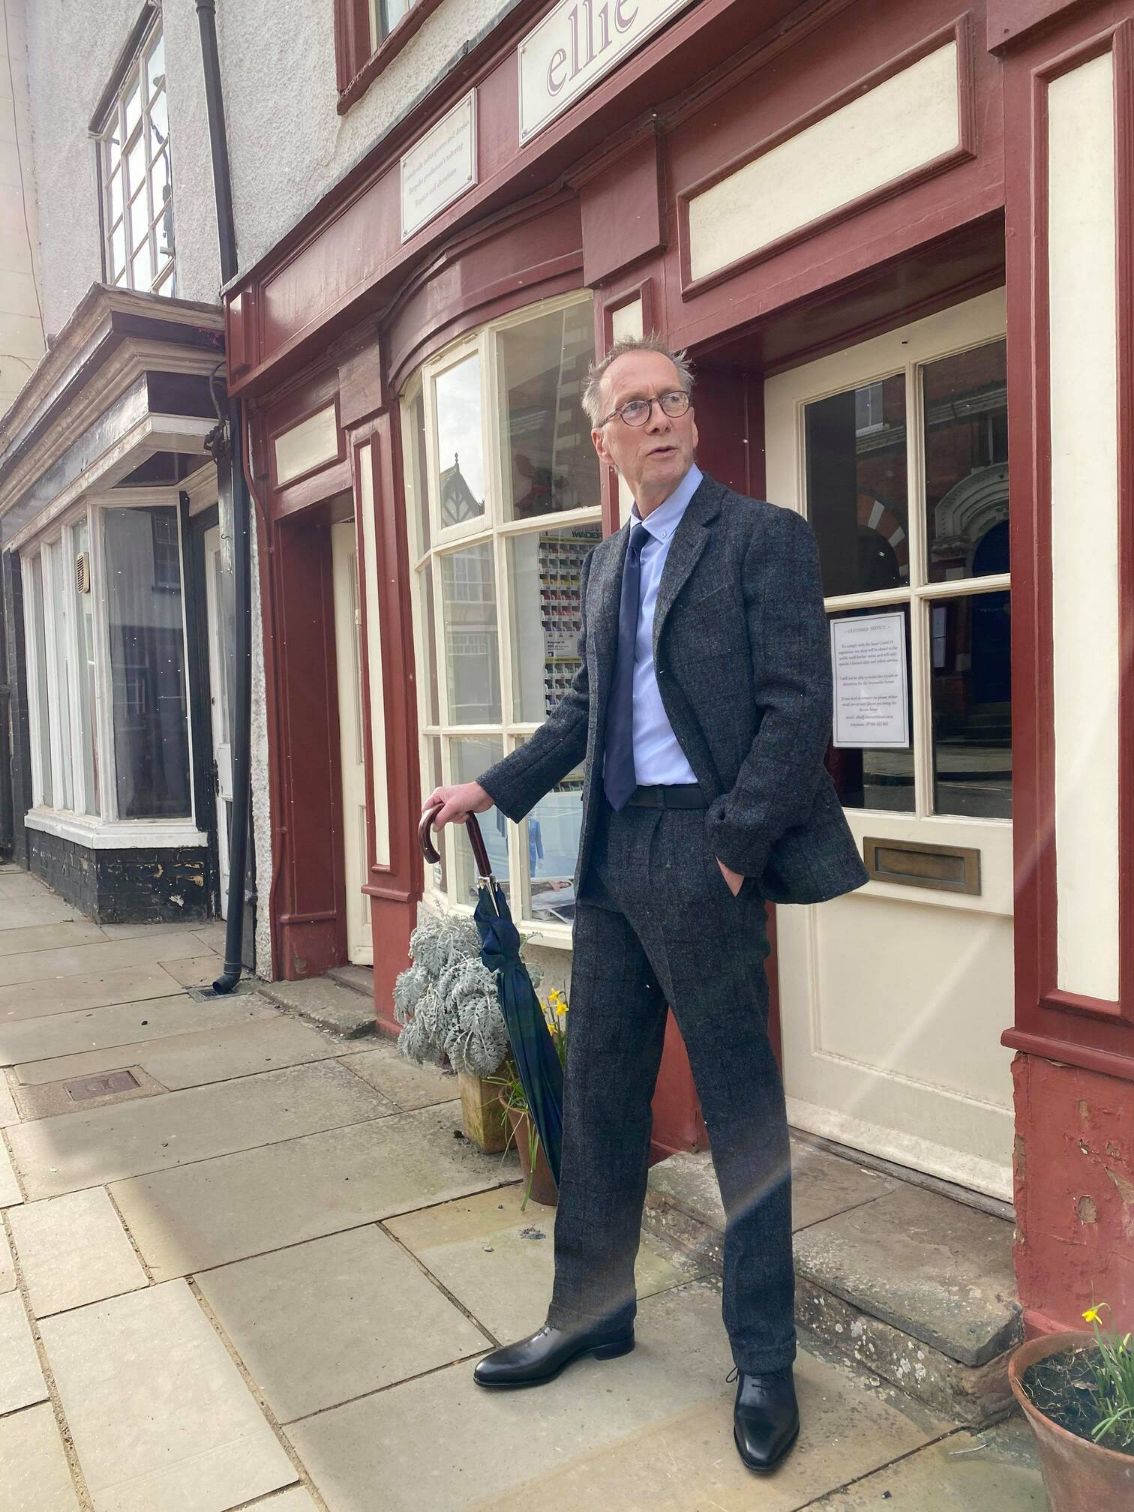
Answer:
[(356, 67)]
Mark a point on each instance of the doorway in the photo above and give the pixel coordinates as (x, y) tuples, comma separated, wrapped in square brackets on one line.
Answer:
[(893, 998)]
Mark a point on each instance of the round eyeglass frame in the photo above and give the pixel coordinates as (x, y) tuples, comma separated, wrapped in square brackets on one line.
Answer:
[(673, 404)]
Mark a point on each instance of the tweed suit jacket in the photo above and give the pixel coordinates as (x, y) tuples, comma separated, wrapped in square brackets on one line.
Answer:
[(742, 657)]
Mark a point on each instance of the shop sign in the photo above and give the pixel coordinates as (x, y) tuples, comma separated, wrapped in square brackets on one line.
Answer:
[(575, 45), (868, 655), (440, 168)]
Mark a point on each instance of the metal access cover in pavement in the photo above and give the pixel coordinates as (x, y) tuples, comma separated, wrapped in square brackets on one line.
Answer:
[(86, 1087)]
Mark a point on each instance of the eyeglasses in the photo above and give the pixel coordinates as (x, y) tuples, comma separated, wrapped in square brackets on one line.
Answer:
[(638, 411)]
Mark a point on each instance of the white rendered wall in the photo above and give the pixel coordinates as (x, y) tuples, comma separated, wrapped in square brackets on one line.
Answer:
[(1084, 522), (21, 330)]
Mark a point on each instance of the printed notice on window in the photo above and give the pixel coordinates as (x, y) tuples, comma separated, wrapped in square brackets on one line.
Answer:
[(439, 168), (868, 658)]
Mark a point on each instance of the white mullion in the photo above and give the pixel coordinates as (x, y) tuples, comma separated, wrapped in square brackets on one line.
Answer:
[(78, 765), (33, 606), (104, 693), (920, 672), (47, 571), (589, 515), (185, 670)]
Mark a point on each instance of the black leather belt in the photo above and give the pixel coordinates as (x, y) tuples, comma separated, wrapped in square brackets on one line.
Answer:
[(685, 795)]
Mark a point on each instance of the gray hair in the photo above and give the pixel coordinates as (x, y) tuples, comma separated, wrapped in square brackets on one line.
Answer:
[(592, 394)]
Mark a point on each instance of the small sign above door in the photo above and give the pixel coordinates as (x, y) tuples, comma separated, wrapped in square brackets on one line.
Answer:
[(574, 46), (440, 168)]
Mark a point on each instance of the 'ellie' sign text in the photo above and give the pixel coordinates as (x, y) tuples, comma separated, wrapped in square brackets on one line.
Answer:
[(574, 45)]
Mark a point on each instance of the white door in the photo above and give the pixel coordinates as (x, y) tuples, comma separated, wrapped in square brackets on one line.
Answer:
[(344, 553), (218, 704), (894, 998)]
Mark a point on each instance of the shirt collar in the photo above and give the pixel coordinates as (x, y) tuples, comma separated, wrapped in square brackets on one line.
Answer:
[(664, 520)]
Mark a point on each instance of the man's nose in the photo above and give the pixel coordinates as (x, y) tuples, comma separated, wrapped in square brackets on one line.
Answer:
[(658, 419)]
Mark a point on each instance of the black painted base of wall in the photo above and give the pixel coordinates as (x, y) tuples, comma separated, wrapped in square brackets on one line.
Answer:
[(124, 886)]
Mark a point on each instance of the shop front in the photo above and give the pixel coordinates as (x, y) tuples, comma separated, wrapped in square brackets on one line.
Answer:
[(894, 242)]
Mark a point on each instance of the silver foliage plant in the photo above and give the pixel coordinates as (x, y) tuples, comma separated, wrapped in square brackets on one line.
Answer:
[(447, 999)]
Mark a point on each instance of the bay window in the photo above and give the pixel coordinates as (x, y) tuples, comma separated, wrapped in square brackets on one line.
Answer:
[(107, 679), (502, 497)]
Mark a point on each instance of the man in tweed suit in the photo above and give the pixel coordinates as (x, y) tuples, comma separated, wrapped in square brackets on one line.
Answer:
[(702, 709)]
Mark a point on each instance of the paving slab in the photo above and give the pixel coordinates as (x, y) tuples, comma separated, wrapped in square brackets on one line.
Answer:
[(47, 936), (56, 1155), (244, 1204), (994, 1470), (638, 1432), (33, 1464), (28, 1000), (359, 979), (7, 1264), (91, 960), (372, 1319), (9, 1187), (295, 1499), (84, 1093), (158, 1411), (212, 935), (931, 1267), (73, 1250), (326, 1004), (9, 1113), (198, 1057), (27, 910), (132, 931), (21, 1380), (404, 1083), (41, 1041), (499, 1262), (195, 971)]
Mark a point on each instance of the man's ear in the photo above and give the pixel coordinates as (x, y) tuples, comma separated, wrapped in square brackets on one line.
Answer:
[(598, 437)]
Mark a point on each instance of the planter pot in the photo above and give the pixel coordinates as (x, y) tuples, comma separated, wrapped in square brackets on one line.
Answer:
[(481, 1114), (540, 1182), (1079, 1476)]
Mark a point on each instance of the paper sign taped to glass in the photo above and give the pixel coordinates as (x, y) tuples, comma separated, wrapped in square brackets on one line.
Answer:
[(868, 660)]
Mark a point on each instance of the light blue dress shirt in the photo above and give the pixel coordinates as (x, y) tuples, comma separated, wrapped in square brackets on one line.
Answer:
[(657, 756)]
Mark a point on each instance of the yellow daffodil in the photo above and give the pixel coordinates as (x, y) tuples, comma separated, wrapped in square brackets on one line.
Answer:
[(1093, 1314)]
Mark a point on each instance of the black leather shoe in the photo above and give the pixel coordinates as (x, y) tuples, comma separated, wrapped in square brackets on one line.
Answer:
[(542, 1355), (765, 1420)]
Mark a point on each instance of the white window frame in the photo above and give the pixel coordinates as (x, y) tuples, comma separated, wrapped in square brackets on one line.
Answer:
[(105, 829), (163, 279), (490, 529)]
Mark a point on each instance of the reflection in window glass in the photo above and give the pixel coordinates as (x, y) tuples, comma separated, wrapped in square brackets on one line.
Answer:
[(384, 16), (460, 443), (147, 667), (857, 496), (416, 468), (549, 461), (472, 649), (876, 778), (544, 579), (551, 837), (85, 672), (971, 652), (966, 463), (470, 757), (42, 721)]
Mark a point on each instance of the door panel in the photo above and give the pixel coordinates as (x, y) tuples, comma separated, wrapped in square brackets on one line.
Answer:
[(344, 552), (893, 999)]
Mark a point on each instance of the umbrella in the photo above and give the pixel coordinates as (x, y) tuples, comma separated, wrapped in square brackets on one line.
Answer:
[(537, 1060)]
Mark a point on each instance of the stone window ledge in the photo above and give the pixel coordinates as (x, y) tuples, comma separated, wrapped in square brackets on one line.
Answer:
[(116, 834)]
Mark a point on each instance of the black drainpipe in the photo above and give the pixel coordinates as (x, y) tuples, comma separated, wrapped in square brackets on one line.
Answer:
[(226, 444)]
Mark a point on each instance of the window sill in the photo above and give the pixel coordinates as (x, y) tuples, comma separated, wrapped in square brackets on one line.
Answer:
[(542, 936), (384, 53), (115, 834)]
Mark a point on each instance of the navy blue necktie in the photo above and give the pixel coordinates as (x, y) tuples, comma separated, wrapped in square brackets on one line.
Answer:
[(618, 778)]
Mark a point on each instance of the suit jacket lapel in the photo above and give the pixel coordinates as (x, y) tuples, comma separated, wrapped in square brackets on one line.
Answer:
[(602, 629), (685, 549)]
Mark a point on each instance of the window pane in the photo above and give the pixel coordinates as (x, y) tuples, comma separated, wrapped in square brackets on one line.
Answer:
[(155, 65), (544, 573), (56, 602), (139, 219), (857, 496), (159, 123), (966, 463), (417, 470), (430, 779), (550, 842), (428, 675), (142, 267), (469, 758), (877, 777), (42, 719), (147, 661), (460, 446), (971, 641), (549, 461), (85, 672), (136, 164), (115, 195), (133, 100), (472, 650), (117, 250)]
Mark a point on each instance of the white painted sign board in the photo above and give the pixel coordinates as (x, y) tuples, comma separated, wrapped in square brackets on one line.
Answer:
[(574, 46), (440, 167), (868, 658)]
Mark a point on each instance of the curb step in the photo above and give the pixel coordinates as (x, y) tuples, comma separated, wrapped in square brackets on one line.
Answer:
[(359, 979), (326, 1003), (916, 1286)]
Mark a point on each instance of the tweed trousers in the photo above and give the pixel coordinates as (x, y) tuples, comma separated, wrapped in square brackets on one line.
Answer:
[(657, 926)]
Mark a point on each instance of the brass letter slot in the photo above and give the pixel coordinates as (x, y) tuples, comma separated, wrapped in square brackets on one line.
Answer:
[(947, 868)]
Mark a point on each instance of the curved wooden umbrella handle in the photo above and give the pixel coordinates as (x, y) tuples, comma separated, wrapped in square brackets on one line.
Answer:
[(476, 840), (428, 849)]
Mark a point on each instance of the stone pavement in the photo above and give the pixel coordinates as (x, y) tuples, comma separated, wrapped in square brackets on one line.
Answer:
[(246, 1264)]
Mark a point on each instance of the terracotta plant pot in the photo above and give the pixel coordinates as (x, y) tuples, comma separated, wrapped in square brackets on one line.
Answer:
[(1079, 1476), (540, 1182)]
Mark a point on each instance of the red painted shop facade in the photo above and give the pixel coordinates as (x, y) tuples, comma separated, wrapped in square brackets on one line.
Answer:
[(895, 239)]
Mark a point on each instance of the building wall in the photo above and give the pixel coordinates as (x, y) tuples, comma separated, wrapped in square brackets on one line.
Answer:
[(62, 100), (21, 328), (288, 143)]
